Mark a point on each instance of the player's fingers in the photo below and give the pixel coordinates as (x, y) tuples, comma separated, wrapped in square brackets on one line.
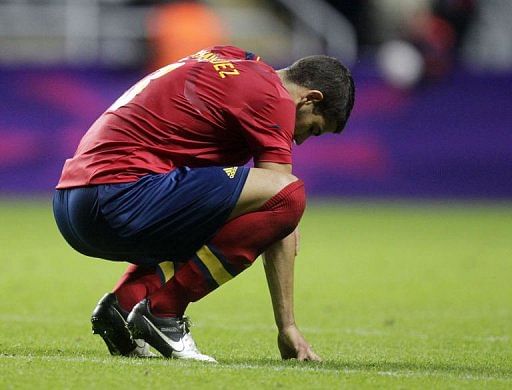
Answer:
[(310, 355), (302, 355), (314, 357)]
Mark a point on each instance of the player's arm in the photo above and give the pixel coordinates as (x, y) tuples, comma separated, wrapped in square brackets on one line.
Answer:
[(279, 262)]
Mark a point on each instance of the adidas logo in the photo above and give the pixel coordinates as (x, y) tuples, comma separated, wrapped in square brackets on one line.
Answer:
[(230, 171)]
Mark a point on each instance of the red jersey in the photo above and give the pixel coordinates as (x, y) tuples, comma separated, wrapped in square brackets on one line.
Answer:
[(220, 106)]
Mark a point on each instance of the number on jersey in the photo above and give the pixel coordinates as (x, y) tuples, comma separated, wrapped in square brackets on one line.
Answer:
[(142, 84)]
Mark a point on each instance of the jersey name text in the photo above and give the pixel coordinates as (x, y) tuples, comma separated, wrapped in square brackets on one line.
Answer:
[(222, 67)]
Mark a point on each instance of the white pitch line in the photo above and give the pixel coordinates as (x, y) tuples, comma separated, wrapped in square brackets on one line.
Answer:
[(238, 366)]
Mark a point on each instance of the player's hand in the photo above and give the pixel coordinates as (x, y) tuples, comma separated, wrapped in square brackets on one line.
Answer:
[(293, 345)]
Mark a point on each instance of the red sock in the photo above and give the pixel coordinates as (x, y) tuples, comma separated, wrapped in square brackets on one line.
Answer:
[(136, 284), (233, 249)]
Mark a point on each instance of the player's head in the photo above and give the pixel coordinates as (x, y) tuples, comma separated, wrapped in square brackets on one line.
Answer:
[(324, 97)]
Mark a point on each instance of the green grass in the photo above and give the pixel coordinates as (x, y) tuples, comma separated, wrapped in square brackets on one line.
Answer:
[(390, 295)]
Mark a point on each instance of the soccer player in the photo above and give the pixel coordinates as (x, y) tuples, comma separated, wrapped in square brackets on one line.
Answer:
[(159, 181)]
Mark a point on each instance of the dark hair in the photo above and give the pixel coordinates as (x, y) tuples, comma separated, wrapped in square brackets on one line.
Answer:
[(333, 79)]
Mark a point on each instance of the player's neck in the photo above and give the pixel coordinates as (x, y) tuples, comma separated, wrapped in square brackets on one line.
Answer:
[(296, 91)]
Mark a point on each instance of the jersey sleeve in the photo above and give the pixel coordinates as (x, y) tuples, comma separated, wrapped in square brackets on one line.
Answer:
[(268, 128)]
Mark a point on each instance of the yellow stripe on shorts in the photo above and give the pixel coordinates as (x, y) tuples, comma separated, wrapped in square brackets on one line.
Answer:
[(215, 267), (167, 268)]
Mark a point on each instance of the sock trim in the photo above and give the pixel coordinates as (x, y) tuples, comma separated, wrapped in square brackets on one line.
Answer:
[(214, 265), (166, 270), (283, 195)]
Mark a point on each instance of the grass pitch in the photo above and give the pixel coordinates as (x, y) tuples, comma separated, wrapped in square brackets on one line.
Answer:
[(390, 295)]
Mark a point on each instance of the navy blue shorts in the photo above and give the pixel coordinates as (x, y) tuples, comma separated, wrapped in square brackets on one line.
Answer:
[(159, 217)]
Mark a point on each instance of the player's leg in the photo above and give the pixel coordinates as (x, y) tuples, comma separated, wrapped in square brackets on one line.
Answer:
[(232, 250), (214, 190), (140, 281), (157, 206), (143, 204)]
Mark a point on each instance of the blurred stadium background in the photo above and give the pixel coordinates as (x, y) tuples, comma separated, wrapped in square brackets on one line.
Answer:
[(433, 114)]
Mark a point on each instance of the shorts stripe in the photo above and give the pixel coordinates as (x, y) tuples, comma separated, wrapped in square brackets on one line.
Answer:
[(167, 270), (214, 265)]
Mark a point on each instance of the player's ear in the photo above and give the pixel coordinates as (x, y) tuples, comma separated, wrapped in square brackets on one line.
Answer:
[(314, 96), (311, 96)]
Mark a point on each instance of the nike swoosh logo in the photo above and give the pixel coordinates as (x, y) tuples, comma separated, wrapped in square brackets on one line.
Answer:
[(176, 346)]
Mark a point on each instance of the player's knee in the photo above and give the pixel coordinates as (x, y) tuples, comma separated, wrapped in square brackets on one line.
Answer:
[(286, 179), (290, 203), (295, 200), (277, 181), (261, 185)]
